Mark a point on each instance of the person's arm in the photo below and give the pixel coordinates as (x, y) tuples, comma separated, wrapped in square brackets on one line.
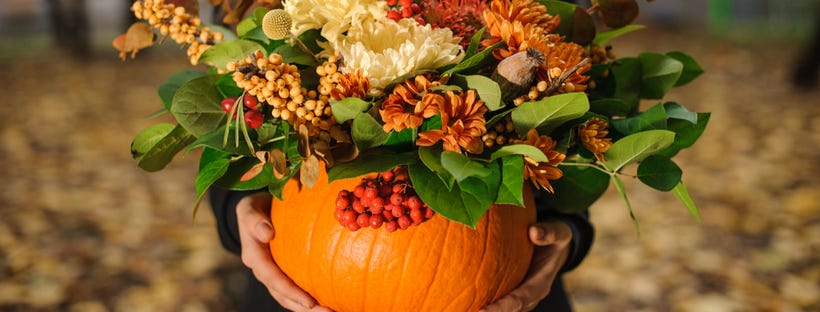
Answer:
[(561, 243), (243, 223)]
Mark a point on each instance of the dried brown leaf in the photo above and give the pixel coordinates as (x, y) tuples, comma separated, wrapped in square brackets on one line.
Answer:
[(280, 163), (304, 141), (309, 172)]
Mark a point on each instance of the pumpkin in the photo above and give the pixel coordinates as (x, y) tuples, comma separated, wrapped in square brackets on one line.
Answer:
[(438, 265)]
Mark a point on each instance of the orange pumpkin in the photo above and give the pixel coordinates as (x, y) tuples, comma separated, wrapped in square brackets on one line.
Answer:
[(439, 265)]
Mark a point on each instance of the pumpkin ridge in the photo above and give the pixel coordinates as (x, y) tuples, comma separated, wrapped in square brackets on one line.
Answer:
[(332, 267), (404, 266), (504, 277), (483, 252), (366, 275), (309, 246), (438, 266)]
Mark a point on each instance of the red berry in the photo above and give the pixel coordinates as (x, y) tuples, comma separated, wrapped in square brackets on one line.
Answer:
[(388, 215), (398, 211), (358, 191), (339, 215), (253, 119), (396, 199), (398, 188), (349, 216), (414, 202), (405, 3), (353, 226), (377, 205), (342, 203), (363, 220), (367, 202), (227, 104), (415, 8), (404, 222), (391, 226), (343, 193), (388, 176), (376, 221), (391, 2), (358, 206), (249, 101), (393, 15), (371, 192), (420, 21), (428, 212), (406, 12), (385, 190), (417, 216)]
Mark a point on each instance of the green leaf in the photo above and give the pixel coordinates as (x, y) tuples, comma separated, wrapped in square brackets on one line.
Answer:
[(311, 39), (635, 147), (577, 189), (659, 172), (215, 140), (659, 73), (348, 108), (232, 177), (610, 107), (619, 185), (686, 133), (475, 42), (162, 152), (197, 107), (682, 194), (512, 183), (576, 24), (550, 113), (401, 139), (475, 62), (677, 111), (208, 174), (294, 55), (431, 157), (465, 207), (258, 15), (145, 140), (227, 87), (371, 161), (367, 132), (603, 37), (691, 69), (626, 73), (651, 119), (245, 26), (487, 89), (520, 149), (168, 88), (228, 51), (462, 167)]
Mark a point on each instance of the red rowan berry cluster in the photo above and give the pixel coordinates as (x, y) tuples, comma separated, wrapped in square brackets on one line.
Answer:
[(403, 9), (387, 200), (253, 115), (179, 25)]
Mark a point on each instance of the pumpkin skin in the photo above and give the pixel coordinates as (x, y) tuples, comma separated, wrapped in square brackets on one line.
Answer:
[(438, 265)]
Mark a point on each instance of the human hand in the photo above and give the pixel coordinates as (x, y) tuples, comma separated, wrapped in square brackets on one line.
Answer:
[(255, 234), (551, 240)]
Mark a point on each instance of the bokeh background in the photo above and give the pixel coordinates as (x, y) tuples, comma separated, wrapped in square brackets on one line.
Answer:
[(83, 229)]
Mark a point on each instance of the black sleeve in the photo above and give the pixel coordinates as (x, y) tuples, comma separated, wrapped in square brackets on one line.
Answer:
[(582, 231), (223, 204)]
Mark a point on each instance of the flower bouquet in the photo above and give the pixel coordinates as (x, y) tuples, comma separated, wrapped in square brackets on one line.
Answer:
[(401, 139)]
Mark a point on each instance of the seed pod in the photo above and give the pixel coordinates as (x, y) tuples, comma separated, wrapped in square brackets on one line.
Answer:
[(276, 24), (516, 73)]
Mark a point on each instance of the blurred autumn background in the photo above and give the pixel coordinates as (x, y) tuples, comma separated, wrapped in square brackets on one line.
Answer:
[(83, 229)]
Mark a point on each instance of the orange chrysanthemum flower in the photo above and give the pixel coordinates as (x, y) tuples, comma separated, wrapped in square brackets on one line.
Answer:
[(350, 85), (565, 56), (521, 24), (462, 124), (593, 136), (539, 173), (409, 104)]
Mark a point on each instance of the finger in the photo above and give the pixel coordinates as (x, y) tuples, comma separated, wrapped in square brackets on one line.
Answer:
[(549, 233), (508, 303), (319, 308), (282, 287)]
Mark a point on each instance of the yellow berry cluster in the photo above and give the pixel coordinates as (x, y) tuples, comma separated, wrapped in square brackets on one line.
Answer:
[(503, 132), (329, 76), (600, 55), (279, 85), (181, 26)]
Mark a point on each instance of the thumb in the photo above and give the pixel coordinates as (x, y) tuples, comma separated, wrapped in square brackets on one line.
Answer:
[(263, 231), (541, 235)]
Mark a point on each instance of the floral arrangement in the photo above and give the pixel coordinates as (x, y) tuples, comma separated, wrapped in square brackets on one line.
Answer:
[(461, 103)]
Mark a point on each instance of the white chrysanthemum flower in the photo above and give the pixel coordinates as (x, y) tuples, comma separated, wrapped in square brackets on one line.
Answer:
[(333, 17), (384, 50)]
